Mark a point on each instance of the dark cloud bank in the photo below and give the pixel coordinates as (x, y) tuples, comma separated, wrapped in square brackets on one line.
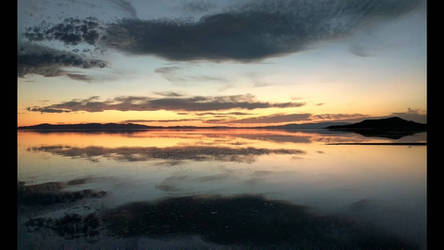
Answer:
[(256, 31), (139, 103), (252, 32), (35, 59), (71, 31)]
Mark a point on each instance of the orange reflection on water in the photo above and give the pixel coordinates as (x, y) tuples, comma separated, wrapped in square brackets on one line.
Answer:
[(168, 138), (294, 166), (267, 150)]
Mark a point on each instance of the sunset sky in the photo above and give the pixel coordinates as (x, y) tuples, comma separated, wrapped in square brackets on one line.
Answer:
[(227, 62)]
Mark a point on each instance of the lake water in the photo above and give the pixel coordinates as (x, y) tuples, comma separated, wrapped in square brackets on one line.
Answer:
[(220, 189)]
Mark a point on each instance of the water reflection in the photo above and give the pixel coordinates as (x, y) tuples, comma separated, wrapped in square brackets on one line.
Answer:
[(48, 194), (234, 221), (207, 188), (195, 153)]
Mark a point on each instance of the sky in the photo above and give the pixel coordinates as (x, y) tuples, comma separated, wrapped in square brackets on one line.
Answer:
[(227, 62)]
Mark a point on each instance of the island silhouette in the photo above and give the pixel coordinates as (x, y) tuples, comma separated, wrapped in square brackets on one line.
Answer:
[(393, 127)]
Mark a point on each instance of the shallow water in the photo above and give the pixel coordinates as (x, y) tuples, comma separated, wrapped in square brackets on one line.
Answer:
[(214, 188)]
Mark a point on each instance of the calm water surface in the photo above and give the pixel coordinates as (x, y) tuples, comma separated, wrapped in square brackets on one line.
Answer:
[(218, 189)]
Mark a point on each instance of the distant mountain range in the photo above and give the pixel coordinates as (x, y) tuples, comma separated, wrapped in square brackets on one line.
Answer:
[(87, 126), (393, 127), (132, 126)]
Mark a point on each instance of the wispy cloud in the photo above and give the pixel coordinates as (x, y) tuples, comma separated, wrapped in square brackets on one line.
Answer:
[(79, 77), (168, 93), (164, 120), (412, 115), (297, 117), (338, 116), (275, 118), (173, 74), (222, 114), (141, 103), (125, 6)]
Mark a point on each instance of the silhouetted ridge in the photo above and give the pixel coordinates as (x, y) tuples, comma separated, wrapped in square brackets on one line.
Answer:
[(87, 126), (394, 124), (132, 126), (393, 127), (387, 123)]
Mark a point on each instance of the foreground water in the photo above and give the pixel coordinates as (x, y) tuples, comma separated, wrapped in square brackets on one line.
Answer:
[(220, 188)]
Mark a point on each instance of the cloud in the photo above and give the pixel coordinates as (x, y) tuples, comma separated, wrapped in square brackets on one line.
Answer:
[(280, 118), (46, 110), (257, 81), (177, 120), (216, 121), (358, 50), (72, 31), (255, 31), (172, 74), (198, 6), (412, 115), (140, 103), (222, 114), (125, 6), (168, 93), (275, 118), (35, 59), (169, 73), (79, 77), (339, 116)]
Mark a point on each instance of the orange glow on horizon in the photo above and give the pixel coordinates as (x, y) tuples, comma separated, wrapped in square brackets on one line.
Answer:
[(156, 117)]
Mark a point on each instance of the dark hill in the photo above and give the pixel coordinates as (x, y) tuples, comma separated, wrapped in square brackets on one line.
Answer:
[(393, 127)]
